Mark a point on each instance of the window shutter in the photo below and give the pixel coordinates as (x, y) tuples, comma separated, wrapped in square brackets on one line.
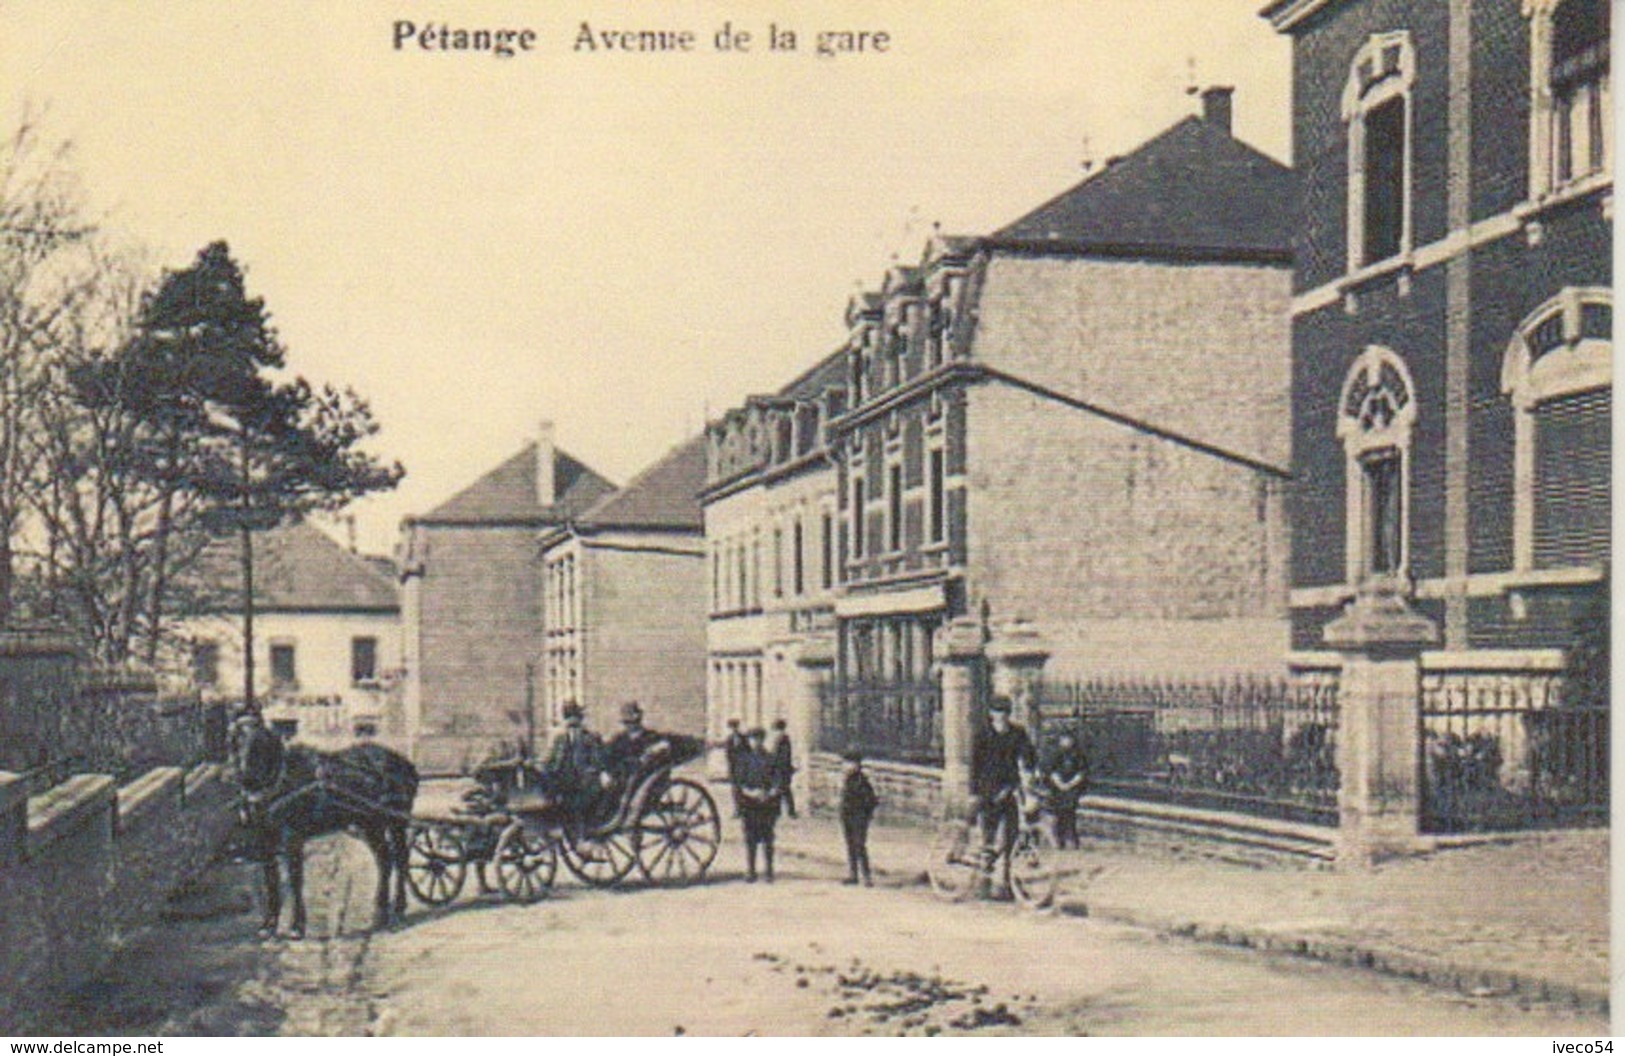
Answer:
[(1572, 440)]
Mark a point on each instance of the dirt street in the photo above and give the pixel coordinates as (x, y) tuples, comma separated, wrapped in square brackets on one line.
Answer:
[(804, 956)]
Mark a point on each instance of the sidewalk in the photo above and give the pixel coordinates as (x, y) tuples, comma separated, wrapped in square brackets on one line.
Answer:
[(1528, 917)]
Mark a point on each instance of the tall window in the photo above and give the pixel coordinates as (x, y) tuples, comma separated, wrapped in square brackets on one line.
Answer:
[(284, 671), (1558, 373), (894, 511), (937, 522), (206, 663), (363, 659), (1376, 106), (1376, 417), (1581, 111), (778, 562), (827, 548), (857, 516), (800, 579)]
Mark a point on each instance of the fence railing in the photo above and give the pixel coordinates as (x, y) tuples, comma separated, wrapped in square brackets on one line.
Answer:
[(1507, 750), (1259, 746), (897, 721)]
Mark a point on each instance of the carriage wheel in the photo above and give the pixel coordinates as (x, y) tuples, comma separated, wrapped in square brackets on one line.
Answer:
[(955, 863), (601, 861), (1033, 875), (678, 835), (526, 863), (436, 863)]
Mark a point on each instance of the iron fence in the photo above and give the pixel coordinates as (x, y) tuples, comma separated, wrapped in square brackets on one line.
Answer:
[(1511, 750), (897, 721), (1260, 746)]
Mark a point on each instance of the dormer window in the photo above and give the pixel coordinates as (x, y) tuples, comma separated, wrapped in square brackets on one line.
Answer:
[(1377, 108)]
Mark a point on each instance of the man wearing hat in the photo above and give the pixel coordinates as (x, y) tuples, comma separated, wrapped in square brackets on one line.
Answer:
[(858, 803), (1002, 761), (734, 747), (783, 763), (575, 764), (756, 785), (627, 748)]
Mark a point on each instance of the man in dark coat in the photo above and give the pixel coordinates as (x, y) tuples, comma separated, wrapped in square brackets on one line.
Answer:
[(858, 804), (759, 793), (734, 747), (784, 763), (1066, 777), (574, 772), (1002, 762), (628, 748)]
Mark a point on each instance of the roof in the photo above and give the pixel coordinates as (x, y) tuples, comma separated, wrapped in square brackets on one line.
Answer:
[(507, 494), (1192, 189), (829, 372), (665, 495), (298, 568)]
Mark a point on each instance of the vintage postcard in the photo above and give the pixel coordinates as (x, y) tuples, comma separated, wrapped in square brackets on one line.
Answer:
[(724, 517)]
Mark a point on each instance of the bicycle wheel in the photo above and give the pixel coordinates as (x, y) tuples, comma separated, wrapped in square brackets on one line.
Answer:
[(955, 863), (1033, 874)]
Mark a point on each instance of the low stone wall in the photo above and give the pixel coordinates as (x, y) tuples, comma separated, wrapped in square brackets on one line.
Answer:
[(88, 863), (907, 793)]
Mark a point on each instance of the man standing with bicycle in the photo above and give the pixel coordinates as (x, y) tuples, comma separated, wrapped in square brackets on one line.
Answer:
[(1002, 762)]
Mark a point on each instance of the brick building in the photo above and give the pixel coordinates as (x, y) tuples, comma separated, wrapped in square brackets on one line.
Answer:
[(623, 600), (471, 599), (1452, 315)]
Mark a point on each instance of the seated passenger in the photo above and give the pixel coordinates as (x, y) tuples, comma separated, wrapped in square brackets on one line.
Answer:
[(574, 772), (634, 745)]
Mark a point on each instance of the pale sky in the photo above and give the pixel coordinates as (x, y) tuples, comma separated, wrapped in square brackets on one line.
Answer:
[(622, 243)]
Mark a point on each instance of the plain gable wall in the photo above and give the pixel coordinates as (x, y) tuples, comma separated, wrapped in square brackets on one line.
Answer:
[(1201, 349), (478, 624), (1133, 553), (643, 625)]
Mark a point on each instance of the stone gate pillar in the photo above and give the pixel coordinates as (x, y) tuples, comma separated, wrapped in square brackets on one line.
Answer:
[(1379, 757), (1018, 654), (814, 661), (961, 657)]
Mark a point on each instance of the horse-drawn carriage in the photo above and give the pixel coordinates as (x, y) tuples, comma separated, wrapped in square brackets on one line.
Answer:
[(647, 819)]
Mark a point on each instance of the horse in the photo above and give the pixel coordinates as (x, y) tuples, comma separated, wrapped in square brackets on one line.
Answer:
[(295, 793)]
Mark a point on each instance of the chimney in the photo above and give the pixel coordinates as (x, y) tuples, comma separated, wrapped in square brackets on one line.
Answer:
[(1216, 107), (545, 484)]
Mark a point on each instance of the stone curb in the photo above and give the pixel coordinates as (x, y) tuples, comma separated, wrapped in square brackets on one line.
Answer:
[(1432, 971)]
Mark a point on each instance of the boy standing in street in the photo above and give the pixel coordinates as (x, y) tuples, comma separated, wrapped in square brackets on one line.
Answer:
[(858, 803)]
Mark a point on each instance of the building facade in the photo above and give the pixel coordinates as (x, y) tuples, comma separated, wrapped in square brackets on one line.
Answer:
[(326, 636), (771, 542), (1079, 420), (471, 604), (1452, 315), (623, 601), (1046, 423)]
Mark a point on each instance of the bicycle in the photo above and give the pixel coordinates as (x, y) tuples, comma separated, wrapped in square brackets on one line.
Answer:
[(959, 864)]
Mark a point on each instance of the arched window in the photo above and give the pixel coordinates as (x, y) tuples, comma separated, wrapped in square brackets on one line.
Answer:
[(1376, 417), (1558, 373), (1571, 95), (1377, 109)]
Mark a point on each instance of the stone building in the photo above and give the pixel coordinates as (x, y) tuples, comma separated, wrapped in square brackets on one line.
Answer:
[(326, 635), (770, 535), (1452, 316), (623, 601), (1080, 420), (471, 603)]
